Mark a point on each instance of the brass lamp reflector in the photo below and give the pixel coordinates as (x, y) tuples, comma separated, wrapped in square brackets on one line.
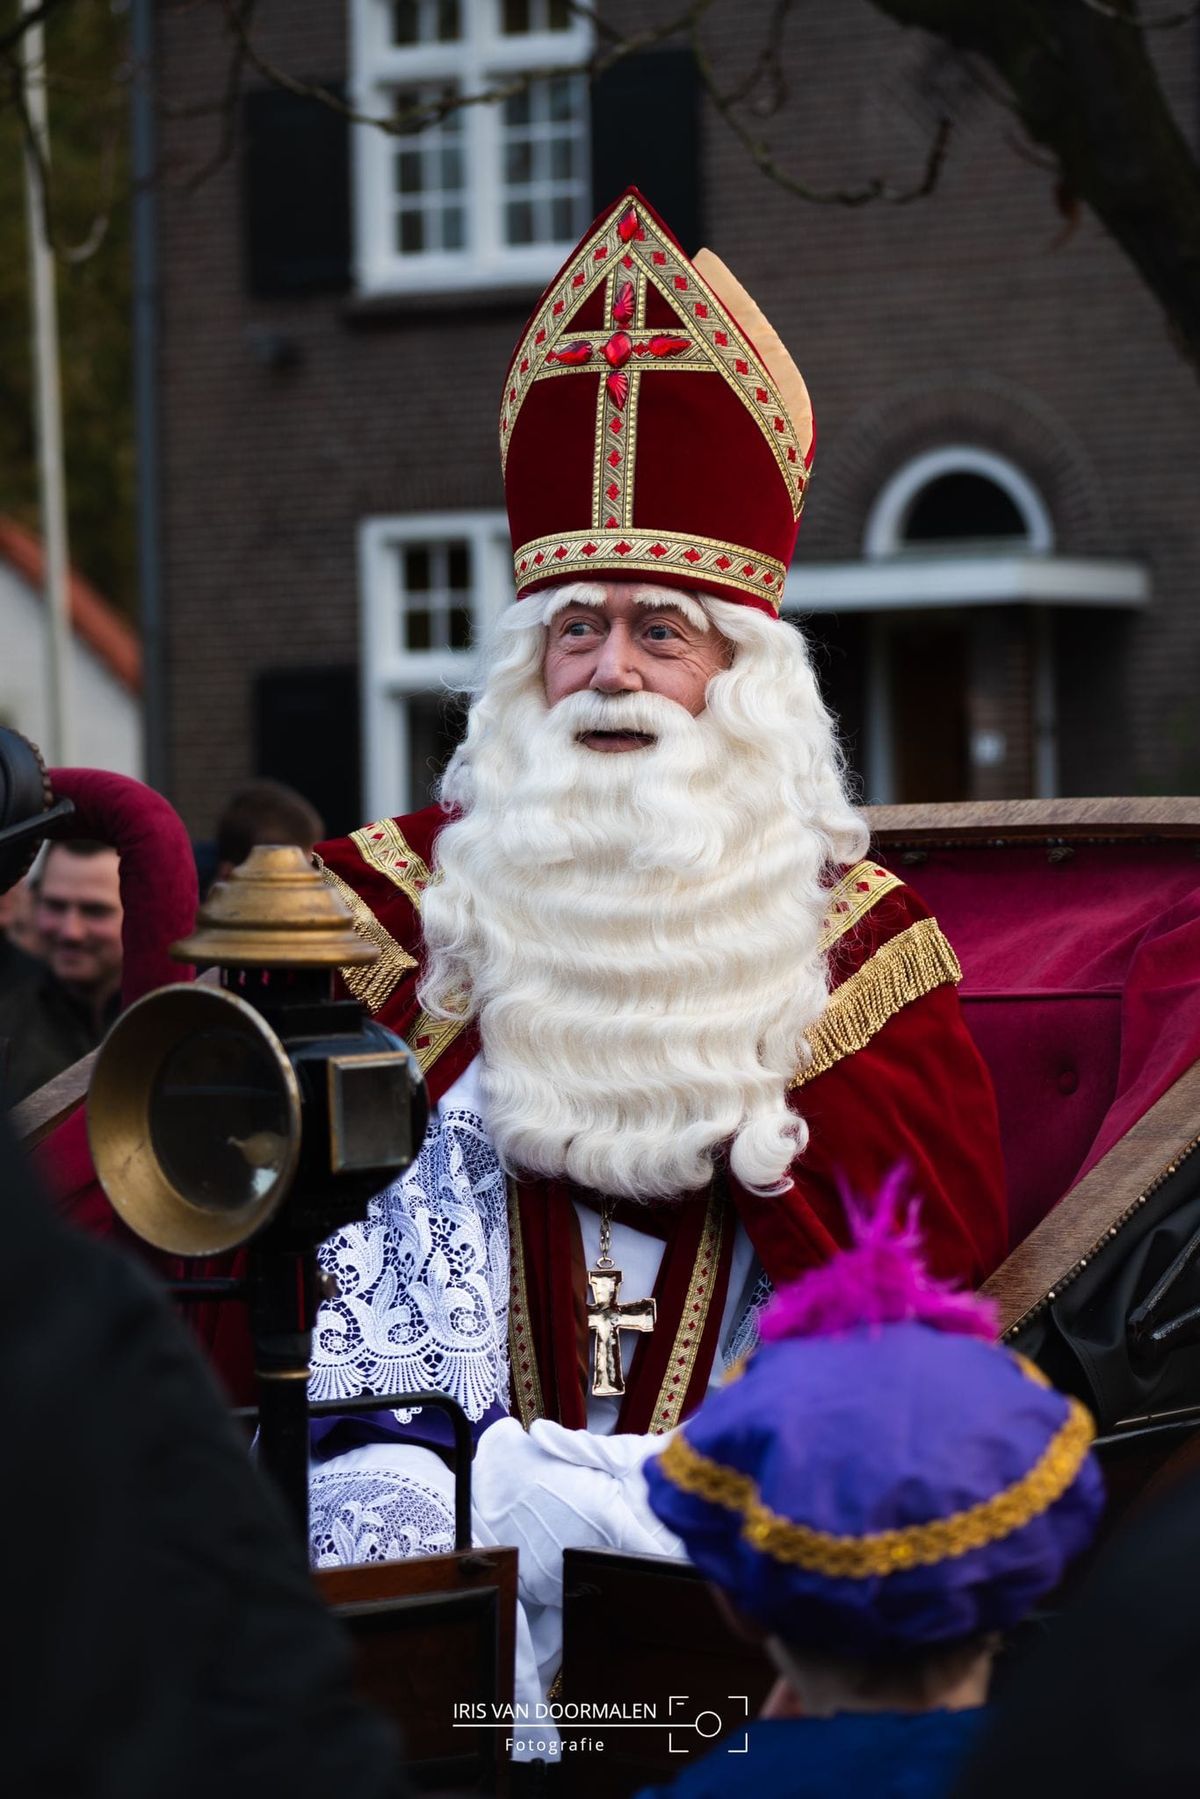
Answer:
[(275, 911), (194, 1119)]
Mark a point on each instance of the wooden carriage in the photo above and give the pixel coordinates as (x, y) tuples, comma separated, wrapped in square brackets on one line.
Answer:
[(1078, 927)]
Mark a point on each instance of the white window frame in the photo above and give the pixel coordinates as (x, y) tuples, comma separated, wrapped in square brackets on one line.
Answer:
[(391, 675), (476, 61), (884, 535)]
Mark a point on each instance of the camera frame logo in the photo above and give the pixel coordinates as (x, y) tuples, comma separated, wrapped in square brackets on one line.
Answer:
[(706, 1722)]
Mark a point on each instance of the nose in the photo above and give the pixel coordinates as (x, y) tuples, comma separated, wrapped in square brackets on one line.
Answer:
[(616, 669), (71, 927)]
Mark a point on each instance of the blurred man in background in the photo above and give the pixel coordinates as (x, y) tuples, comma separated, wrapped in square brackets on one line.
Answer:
[(52, 1021)]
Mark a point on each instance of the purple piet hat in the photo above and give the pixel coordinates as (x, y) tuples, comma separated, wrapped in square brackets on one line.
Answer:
[(881, 1474)]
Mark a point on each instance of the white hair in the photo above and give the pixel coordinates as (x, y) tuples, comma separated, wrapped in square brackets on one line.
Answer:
[(638, 935)]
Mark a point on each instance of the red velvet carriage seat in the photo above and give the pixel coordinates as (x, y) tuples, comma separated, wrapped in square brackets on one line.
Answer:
[(1077, 923)]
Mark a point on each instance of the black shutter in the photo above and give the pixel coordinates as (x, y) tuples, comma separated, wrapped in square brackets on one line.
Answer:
[(646, 132), (295, 194), (306, 732)]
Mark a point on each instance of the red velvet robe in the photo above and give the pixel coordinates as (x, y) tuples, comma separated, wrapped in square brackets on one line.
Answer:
[(895, 1079)]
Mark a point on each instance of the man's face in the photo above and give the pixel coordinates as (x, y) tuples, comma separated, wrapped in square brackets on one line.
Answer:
[(622, 646), (78, 918)]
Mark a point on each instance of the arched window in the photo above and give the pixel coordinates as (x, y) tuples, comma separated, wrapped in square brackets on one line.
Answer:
[(959, 499)]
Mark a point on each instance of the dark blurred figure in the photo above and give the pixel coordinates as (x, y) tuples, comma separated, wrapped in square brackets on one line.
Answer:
[(52, 1020), (264, 812), (18, 964), (1108, 1702), (165, 1634)]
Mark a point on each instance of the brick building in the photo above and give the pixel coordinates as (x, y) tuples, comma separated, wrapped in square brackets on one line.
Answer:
[(999, 556)]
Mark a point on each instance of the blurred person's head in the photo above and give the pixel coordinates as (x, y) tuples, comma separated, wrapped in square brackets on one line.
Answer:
[(883, 1489), (264, 811), (78, 915)]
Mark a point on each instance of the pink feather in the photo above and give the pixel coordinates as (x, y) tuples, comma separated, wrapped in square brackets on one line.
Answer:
[(880, 1279)]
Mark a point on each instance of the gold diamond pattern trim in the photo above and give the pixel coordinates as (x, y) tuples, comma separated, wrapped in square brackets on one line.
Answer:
[(668, 1407), (430, 1036), (574, 552), (372, 985), (885, 1552), (853, 896), (522, 1358), (724, 349), (903, 969), (384, 847)]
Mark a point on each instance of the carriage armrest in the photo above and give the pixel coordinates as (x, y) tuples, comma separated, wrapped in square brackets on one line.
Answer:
[(1100, 1206)]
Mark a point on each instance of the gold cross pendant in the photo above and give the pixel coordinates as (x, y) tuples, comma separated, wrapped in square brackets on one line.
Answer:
[(607, 1317)]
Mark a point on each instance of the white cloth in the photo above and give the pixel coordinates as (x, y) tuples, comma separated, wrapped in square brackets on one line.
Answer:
[(423, 1302)]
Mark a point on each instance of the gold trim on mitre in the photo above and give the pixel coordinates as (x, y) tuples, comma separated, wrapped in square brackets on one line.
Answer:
[(793, 390), (630, 247)]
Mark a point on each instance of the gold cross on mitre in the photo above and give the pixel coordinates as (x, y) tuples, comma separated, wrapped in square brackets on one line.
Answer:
[(607, 1317)]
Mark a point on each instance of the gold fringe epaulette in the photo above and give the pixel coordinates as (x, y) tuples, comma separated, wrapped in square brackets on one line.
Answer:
[(372, 985), (903, 969)]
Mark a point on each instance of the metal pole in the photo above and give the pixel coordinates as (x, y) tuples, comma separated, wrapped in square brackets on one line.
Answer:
[(145, 377), (47, 401)]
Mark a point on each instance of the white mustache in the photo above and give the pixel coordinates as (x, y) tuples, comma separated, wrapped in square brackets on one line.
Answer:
[(646, 714)]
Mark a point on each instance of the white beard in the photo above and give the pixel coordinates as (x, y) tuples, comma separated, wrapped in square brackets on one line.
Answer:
[(638, 934)]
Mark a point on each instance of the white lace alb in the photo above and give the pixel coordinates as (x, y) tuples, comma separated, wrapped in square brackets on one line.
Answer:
[(423, 1281)]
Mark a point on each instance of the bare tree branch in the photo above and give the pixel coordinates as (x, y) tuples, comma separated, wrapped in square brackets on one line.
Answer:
[(97, 231), (433, 111), (37, 15), (763, 158)]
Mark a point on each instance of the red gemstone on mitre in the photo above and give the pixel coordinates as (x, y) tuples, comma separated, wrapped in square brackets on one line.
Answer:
[(627, 225), (617, 350), (618, 388), (623, 304)]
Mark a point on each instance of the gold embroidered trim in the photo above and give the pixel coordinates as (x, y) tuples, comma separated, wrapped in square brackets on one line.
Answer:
[(430, 1036), (668, 1407), (647, 552), (905, 968), (372, 985), (383, 846), (526, 1381), (854, 895), (885, 1552)]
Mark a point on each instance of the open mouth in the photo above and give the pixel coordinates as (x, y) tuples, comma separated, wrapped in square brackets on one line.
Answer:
[(616, 740)]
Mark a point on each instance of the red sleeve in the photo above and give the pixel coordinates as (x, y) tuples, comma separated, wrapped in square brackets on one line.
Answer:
[(917, 1095)]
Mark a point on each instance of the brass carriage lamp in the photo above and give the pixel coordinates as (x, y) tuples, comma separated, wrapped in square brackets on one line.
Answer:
[(262, 1111)]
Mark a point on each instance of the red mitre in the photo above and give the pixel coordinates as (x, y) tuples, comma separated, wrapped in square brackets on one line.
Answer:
[(653, 427)]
